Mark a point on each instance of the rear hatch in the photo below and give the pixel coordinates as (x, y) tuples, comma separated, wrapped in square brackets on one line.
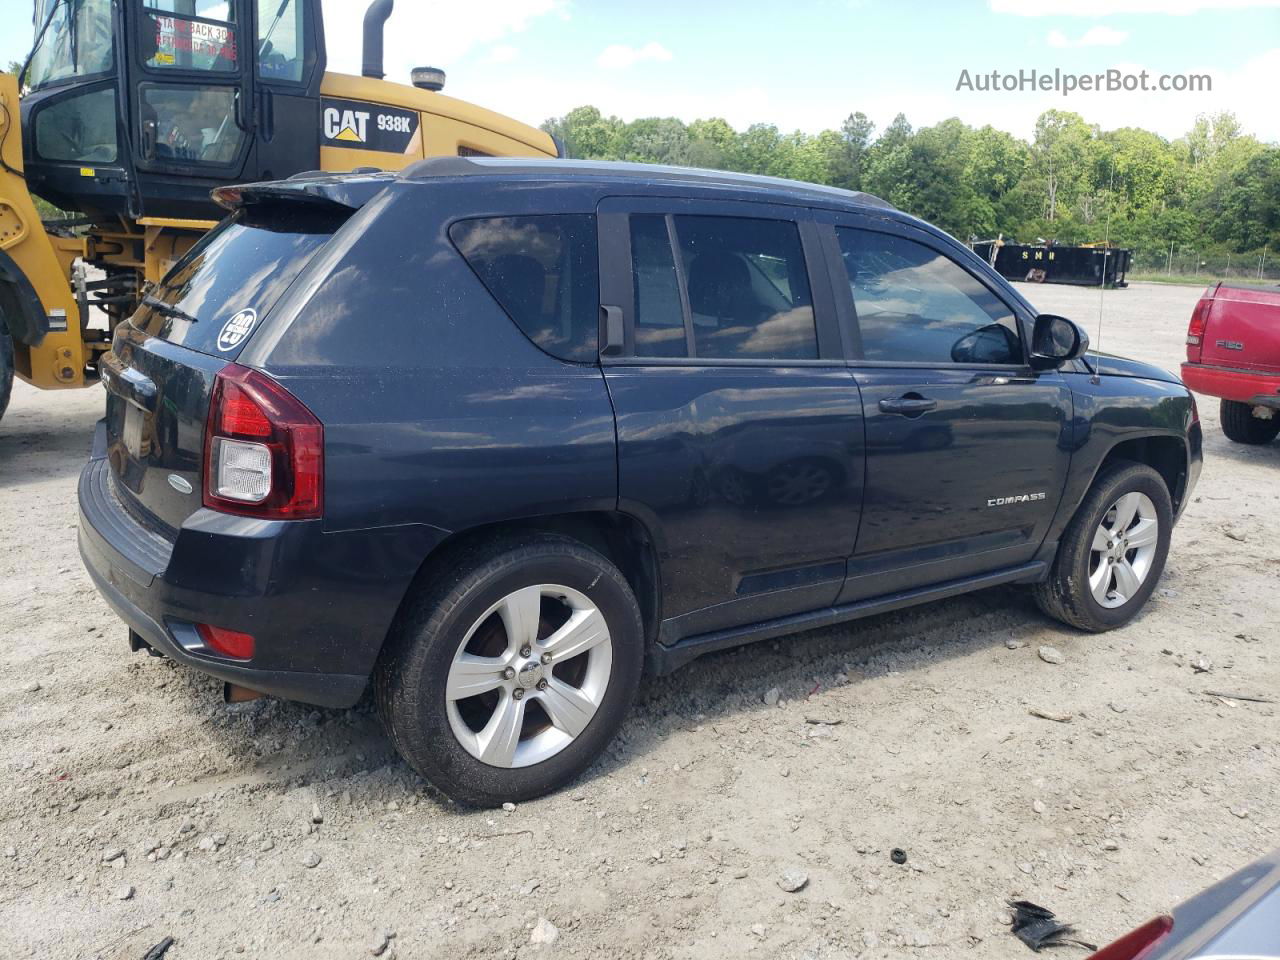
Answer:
[(160, 372), (1241, 328)]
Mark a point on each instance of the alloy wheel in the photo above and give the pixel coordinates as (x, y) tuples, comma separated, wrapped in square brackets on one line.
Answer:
[(1123, 550), (529, 676)]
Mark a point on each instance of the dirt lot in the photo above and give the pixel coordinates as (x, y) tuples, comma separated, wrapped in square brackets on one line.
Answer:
[(136, 806)]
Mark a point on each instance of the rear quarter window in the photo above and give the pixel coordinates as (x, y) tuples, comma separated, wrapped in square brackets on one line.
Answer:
[(544, 272), (215, 297)]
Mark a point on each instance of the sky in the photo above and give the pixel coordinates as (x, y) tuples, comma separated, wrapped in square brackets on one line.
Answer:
[(807, 64)]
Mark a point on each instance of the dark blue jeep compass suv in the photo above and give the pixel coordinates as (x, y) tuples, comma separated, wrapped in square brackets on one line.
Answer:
[(500, 435)]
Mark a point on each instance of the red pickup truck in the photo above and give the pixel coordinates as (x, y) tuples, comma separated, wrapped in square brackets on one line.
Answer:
[(1233, 352)]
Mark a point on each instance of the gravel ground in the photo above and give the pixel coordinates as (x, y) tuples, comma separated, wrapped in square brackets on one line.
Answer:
[(135, 806)]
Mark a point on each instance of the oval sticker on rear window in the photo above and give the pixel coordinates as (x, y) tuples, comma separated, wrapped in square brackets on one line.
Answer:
[(235, 330)]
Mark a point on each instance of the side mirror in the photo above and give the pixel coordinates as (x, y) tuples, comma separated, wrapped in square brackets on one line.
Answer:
[(993, 343), (1056, 340)]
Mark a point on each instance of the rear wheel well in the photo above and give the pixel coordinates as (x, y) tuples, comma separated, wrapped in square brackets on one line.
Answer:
[(1166, 455), (619, 537)]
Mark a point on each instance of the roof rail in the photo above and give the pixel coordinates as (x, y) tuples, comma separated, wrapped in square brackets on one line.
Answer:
[(574, 169)]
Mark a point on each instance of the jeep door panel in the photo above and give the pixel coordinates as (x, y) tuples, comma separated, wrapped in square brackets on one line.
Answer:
[(751, 466), (967, 447)]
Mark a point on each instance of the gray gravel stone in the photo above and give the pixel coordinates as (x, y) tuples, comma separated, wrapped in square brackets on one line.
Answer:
[(1052, 655), (544, 931), (310, 859), (793, 880)]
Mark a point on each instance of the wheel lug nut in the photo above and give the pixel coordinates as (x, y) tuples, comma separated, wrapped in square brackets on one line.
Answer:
[(525, 650), (517, 693), (542, 684), (509, 673), (546, 658)]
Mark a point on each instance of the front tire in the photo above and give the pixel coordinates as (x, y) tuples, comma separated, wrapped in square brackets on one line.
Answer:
[(1240, 425), (1113, 551), (508, 676)]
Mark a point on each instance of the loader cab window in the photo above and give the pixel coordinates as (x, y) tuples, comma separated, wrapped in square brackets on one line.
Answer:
[(281, 40), (80, 128), (75, 42), (195, 35), (189, 123)]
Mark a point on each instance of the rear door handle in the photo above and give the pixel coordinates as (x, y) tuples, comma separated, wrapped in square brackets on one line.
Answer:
[(612, 334), (908, 405)]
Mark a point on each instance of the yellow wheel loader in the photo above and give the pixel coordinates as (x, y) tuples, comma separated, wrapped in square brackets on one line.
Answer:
[(129, 112)]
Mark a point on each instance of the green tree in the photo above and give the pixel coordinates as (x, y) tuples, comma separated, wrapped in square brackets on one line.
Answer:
[(655, 140), (711, 143), (586, 133), (848, 162), (1214, 189)]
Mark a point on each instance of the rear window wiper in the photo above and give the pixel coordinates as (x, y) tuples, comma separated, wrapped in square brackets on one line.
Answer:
[(168, 309)]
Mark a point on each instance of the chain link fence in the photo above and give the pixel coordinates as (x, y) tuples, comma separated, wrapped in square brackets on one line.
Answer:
[(1189, 262)]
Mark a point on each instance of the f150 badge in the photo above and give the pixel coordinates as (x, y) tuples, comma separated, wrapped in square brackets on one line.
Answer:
[(1016, 498), (355, 124)]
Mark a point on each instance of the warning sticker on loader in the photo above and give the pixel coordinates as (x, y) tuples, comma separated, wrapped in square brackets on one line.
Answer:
[(358, 125)]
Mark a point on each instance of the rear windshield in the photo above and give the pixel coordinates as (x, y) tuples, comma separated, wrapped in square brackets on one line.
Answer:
[(214, 297)]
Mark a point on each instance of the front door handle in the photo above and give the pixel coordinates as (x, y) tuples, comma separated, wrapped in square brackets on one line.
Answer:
[(908, 405)]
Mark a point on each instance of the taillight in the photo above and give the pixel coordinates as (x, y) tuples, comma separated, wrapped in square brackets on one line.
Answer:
[(230, 643), (1195, 409), (1196, 328), (1137, 944), (263, 450)]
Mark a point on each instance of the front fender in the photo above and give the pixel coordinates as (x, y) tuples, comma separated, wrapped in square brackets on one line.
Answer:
[(20, 305), (1113, 417)]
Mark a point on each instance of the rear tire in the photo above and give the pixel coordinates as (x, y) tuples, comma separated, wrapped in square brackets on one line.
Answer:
[(1240, 425), (512, 670), (6, 367), (1112, 552)]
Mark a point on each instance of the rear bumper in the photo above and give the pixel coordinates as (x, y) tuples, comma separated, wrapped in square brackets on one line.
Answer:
[(1230, 383), (318, 604)]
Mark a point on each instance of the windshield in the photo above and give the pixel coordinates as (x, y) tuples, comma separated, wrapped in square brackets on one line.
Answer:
[(213, 297), (76, 42)]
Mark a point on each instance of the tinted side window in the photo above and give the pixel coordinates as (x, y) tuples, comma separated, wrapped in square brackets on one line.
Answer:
[(659, 316), (544, 272), (748, 289), (916, 305)]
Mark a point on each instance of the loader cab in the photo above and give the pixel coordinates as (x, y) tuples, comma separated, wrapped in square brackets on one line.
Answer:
[(140, 108)]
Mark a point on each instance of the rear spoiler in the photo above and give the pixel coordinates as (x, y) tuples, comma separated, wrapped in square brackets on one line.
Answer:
[(341, 193)]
